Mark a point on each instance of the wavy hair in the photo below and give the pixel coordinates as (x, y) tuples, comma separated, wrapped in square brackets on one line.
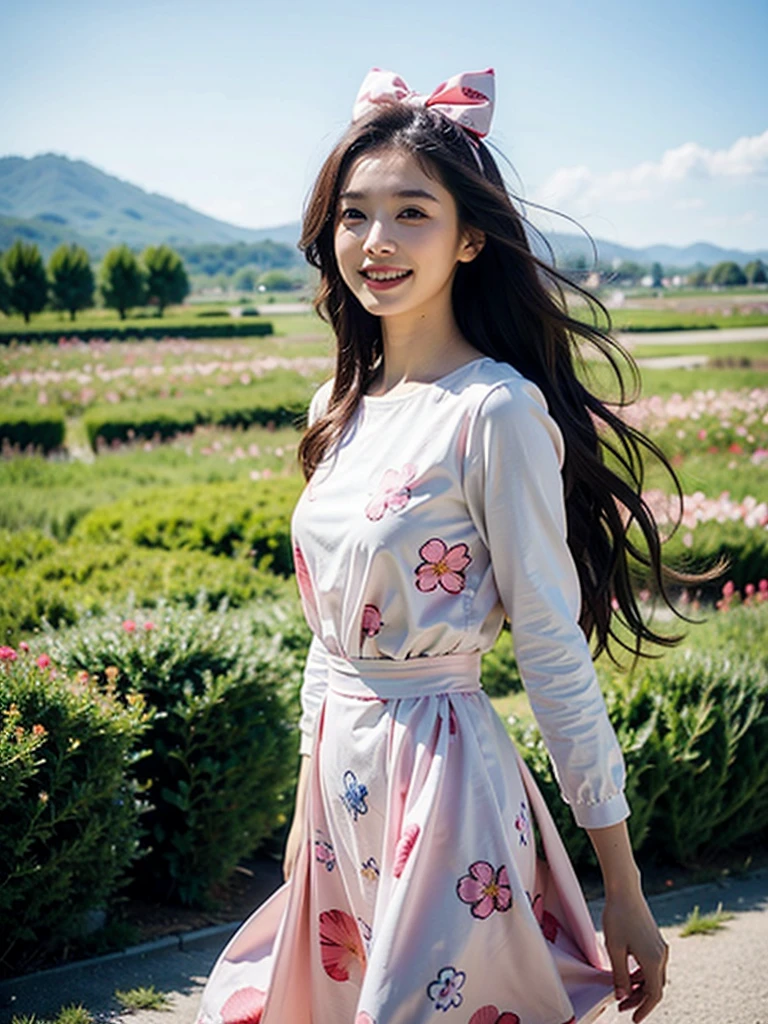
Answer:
[(511, 306)]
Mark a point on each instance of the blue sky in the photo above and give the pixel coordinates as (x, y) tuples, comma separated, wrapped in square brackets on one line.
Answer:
[(646, 123)]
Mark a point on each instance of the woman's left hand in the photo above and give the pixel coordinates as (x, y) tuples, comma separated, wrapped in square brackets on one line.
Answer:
[(629, 927)]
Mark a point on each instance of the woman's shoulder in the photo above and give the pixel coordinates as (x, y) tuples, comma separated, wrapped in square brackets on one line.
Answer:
[(494, 384)]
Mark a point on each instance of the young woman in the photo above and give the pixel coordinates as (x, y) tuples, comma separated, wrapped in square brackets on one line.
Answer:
[(456, 479)]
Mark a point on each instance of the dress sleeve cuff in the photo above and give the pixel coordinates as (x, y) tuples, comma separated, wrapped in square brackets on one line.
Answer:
[(305, 744), (602, 814)]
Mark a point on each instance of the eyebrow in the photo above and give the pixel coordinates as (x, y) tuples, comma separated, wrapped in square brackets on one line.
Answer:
[(406, 193)]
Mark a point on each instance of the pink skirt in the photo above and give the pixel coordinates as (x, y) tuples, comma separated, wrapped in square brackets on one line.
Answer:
[(420, 890)]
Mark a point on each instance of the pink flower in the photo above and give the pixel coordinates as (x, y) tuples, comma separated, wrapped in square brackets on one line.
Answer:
[(405, 844), (244, 1006), (490, 1015), (702, 435), (43, 661), (24, 646), (7, 654), (487, 890), (149, 625), (442, 565), (129, 625), (729, 589), (762, 586), (393, 491), (548, 923), (372, 621), (341, 949)]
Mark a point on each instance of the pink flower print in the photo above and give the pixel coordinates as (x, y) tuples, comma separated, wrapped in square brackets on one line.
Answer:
[(487, 890), (442, 565), (324, 852), (372, 621), (404, 846), (444, 990), (393, 491), (302, 573), (364, 1018), (490, 1015), (244, 1006), (522, 824), (341, 950), (548, 923)]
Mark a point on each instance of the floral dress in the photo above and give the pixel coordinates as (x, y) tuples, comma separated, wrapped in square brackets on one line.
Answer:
[(423, 892)]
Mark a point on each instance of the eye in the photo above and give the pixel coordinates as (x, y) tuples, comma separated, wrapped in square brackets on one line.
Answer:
[(412, 209)]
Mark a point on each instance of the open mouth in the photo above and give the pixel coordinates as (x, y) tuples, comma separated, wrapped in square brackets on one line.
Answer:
[(384, 279)]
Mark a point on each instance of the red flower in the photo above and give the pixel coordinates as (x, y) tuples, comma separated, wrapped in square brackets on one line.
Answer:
[(245, 1006), (341, 948), (7, 653), (24, 646), (129, 625), (442, 565), (490, 1015), (43, 661), (149, 625)]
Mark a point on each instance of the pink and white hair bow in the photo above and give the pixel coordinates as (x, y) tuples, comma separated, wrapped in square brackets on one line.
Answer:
[(466, 98)]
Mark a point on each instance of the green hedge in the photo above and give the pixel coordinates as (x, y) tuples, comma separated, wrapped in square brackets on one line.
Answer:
[(223, 742), (744, 547), (189, 329), (31, 425), (234, 518), (69, 825), (41, 579), (694, 730), (280, 398)]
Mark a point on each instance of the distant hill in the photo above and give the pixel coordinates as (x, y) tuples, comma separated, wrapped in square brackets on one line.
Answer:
[(51, 199)]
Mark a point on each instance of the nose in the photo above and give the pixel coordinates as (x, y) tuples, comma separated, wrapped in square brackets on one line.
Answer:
[(377, 240)]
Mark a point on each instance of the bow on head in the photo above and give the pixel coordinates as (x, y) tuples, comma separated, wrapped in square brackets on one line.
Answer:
[(466, 98)]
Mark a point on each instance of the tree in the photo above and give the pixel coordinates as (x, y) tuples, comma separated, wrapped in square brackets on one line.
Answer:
[(122, 280), (727, 274), (756, 273), (245, 279), (277, 281), (167, 279), (28, 281), (697, 278), (5, 290), (72, 282), (657, 272)]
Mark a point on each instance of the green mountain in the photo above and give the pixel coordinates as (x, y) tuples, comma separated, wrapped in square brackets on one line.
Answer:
[(51, 199)]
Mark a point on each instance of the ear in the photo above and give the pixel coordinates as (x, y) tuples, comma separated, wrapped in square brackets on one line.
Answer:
[(472, 243)]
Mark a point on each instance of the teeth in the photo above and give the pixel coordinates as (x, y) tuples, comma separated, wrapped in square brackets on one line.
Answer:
[(379, 275)]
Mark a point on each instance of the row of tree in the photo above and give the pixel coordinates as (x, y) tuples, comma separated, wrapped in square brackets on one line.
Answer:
[(69, 283), (725, 274)]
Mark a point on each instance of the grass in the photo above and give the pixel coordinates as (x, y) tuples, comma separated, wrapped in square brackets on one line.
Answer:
[(143, 999), (71, 1014), (705, 924)]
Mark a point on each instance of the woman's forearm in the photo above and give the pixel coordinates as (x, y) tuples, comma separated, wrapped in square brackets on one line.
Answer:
[(617, 861)]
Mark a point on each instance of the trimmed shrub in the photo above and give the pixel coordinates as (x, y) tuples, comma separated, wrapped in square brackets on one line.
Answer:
[(223, 739), (42, 580), (235, 518), (745, 547), (189, 329), (694, 730), (280, 398), (500, 675), (68, 810), (41, 428)]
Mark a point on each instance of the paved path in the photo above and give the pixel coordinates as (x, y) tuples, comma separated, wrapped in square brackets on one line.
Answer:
[(719, 977), (723, 335)]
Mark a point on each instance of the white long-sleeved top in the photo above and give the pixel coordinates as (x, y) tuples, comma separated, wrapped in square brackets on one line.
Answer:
[(439, 513)]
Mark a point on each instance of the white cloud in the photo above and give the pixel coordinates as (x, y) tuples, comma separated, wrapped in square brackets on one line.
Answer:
[(693, 203), (580, 186)]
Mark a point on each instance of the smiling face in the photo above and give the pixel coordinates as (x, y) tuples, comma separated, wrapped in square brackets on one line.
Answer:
[(394, 221)]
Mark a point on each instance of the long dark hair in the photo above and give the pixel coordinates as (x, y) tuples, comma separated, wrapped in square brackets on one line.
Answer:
[(504, 307)]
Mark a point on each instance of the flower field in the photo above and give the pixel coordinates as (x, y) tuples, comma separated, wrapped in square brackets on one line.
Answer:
[(147, 573)]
